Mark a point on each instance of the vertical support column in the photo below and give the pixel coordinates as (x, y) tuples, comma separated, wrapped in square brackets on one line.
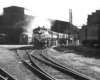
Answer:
[(73, 37), (77, 42), (72, 40), (70, 21), (52, 39), (66, 42)]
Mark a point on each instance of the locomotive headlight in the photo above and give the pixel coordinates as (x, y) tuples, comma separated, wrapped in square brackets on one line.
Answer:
[(45, 41), (23, 36), (43, 36), (46, 35)]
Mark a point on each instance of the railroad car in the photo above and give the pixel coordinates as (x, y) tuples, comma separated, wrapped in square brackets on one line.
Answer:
[(62, 39), (53, 38), (58, 38), (25, 38), (5, 38), (90, 35), (2, 38)]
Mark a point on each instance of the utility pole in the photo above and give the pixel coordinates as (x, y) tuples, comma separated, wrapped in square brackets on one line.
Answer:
[(70, 22), (58, 32)]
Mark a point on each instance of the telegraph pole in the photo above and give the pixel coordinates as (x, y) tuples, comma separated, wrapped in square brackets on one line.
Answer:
[(70, 24)]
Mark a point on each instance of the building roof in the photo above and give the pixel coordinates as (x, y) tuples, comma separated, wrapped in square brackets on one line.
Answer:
[(14, 7)]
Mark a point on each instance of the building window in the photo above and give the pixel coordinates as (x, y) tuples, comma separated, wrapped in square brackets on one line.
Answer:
[(94, 32)]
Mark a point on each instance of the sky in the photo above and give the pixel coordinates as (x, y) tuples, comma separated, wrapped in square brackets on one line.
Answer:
[(57, 9)]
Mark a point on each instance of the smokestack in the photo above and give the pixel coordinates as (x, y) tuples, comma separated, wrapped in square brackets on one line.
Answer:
[(70, 16)]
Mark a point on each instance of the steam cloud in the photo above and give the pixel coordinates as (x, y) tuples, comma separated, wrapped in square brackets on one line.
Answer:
[(31, 23)]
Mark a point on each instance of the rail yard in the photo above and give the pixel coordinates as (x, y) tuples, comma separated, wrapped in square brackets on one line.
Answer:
[(34, 52), (22, 62)]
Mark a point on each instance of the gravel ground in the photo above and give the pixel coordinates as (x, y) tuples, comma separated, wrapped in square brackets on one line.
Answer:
[(77, 59), (11, 63)]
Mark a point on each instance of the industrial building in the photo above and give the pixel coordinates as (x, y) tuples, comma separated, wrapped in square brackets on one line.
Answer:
[(94, 18), (12, 20)]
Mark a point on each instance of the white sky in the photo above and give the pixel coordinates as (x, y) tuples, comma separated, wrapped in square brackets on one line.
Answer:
[(57, 9)]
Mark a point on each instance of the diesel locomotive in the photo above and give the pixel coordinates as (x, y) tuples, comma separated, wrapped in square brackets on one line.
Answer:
[(40, 37), (43, 37)]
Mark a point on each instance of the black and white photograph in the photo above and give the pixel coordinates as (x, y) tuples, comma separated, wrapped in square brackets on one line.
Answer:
[(49, 40)]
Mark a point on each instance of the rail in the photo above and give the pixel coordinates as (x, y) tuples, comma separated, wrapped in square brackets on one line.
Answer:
[(31, 66), (84, 77)]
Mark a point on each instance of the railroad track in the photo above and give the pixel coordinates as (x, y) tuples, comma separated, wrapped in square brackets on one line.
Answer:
[(55, 69), (4, 75), (31, 66)]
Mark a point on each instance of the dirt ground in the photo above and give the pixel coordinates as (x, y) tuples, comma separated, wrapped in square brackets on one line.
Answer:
[(84, 60), (10, 62)]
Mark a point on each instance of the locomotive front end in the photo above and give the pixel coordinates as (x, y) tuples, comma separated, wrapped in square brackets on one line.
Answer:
[(40, 37)]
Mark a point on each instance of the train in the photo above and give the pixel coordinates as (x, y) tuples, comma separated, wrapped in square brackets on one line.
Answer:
[(25, 38), (43, 37), (40, 37), (5, 38), (90, 35)]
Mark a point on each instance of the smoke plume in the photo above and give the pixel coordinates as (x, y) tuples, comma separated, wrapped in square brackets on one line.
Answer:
[(31, 23)]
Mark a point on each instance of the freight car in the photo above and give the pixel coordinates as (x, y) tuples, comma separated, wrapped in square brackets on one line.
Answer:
[(90, 35), (25, 38)]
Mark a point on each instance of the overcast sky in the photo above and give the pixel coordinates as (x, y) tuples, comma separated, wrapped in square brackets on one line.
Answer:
[(57, 9)]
